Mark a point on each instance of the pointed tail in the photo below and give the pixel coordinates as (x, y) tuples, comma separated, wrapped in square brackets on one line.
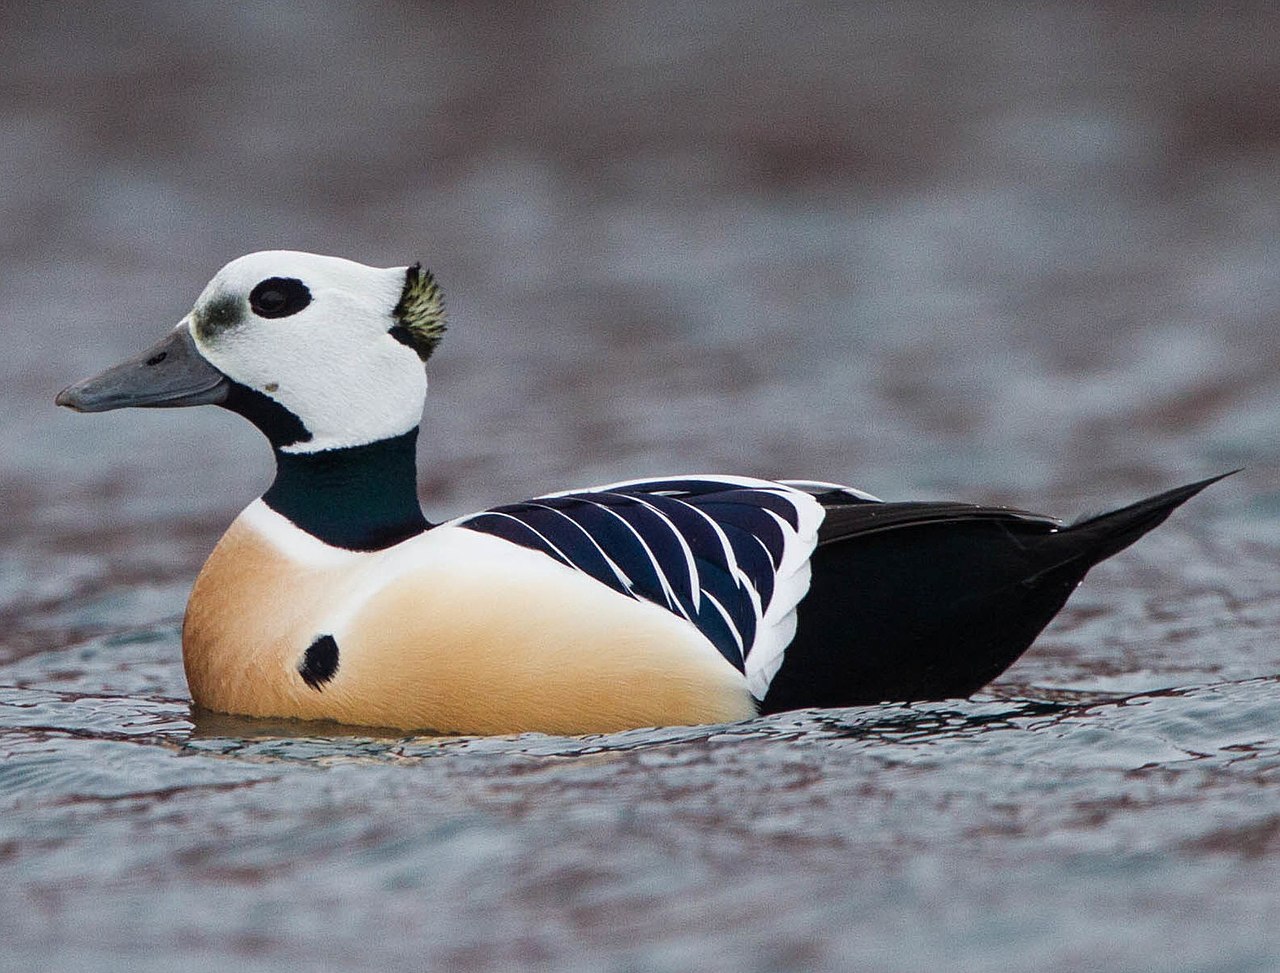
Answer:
[(1106, 534)]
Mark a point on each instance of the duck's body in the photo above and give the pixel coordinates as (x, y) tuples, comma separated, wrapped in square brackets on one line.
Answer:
[(672, 601), (451, 630)]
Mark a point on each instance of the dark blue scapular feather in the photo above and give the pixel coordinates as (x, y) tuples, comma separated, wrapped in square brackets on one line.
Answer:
[(500, 523), (707, 550)]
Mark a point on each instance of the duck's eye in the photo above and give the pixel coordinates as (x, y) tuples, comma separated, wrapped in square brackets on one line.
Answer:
[(278, 297)]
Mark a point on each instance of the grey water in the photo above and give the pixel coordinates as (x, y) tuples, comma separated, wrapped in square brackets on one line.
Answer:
[(1013, 253)]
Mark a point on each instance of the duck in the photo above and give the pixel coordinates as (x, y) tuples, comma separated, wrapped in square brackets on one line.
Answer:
[(672, 600)]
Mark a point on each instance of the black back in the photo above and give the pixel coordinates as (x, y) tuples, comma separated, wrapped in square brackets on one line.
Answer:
[(914, 601)]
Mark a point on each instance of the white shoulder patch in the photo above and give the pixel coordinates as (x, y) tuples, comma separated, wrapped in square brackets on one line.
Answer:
[(292, 541)]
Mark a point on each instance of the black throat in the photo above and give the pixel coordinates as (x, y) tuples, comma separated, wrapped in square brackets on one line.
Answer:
[(362, 498)]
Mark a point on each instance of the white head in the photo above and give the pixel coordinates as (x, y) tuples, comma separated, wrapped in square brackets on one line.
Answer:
[(326, 343)]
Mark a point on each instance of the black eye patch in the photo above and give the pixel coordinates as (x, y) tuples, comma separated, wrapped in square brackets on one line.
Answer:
[(278, 297)]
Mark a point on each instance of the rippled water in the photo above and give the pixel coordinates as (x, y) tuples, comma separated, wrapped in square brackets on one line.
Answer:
[(1023, 255), (1061, 829)]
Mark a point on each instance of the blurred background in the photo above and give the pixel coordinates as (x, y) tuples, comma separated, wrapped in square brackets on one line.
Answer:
[(1015, 251), (1006, 252)]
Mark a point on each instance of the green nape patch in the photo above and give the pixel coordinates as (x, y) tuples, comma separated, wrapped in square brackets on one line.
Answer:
[(420, 312)]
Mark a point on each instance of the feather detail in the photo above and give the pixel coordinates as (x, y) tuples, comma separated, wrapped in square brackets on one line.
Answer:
[(730, 555), (419, 314)]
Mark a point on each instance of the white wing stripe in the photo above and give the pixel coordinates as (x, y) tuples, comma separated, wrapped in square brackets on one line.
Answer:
[(618, 572), (733, 629), (673, 602), (695, 590)]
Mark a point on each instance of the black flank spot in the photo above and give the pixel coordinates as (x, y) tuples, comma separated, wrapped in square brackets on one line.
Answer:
[(320, 662)]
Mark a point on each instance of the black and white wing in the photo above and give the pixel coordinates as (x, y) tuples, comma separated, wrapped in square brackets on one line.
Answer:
[(730, 554)]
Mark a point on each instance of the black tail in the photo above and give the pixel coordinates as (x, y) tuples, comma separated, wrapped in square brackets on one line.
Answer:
[(1106, 534), (932, 601)]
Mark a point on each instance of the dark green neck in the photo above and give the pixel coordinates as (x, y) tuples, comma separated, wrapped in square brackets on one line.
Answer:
[(362, 498)]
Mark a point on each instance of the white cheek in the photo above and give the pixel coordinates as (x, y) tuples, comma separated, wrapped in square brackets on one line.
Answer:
[(379, 394), (348, 387)]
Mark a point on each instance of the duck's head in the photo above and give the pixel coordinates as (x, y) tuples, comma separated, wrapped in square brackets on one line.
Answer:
[(318, 352)]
